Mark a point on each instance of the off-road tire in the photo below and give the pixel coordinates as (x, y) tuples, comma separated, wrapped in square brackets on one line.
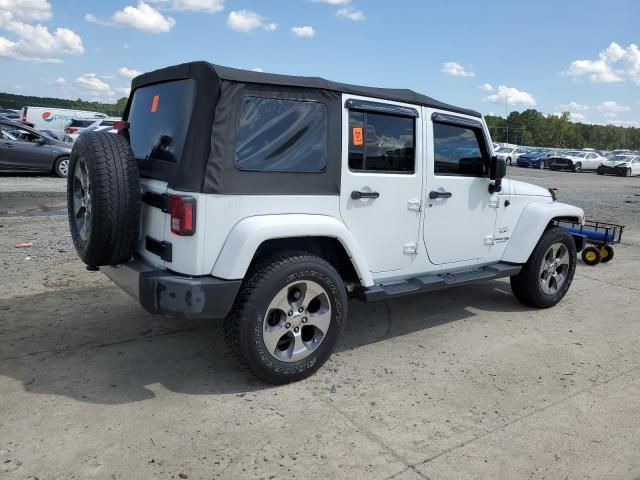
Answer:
[(243, 327), (60, 162), (114, 186), (591, 256), (526, 286)]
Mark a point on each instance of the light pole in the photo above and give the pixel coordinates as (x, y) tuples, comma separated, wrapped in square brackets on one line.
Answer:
[(506, 114)]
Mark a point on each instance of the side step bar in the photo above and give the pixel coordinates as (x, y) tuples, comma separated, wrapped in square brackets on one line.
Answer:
[(429, 283)]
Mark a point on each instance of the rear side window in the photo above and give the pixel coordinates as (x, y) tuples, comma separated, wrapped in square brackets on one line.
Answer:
[(276, 135), (159, 119), (459, 150), (381, 143)]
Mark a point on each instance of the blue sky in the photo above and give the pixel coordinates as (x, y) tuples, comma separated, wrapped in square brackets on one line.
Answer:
[(578, 56)]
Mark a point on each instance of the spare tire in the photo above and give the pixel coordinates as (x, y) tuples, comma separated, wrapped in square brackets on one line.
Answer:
[(103, 198)]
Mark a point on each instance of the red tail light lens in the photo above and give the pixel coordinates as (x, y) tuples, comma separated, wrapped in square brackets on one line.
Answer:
[(183, 215), (71, 130), (120, 125)]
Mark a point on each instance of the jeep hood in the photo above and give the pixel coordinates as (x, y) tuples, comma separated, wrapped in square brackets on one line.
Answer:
[(523, 188)]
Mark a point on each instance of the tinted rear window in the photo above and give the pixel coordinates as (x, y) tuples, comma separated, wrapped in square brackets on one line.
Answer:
[(81, 123), (281, 135), (159, 119)]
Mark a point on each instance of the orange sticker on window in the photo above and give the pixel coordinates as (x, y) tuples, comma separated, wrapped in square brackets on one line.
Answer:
[(358, 137), (154, 104)]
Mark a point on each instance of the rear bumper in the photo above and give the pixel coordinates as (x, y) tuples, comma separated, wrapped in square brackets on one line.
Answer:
[(167, 293)]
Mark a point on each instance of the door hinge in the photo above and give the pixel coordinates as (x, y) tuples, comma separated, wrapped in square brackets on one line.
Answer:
[(415, 205), (489, 240), (410, 248), (494, 201)]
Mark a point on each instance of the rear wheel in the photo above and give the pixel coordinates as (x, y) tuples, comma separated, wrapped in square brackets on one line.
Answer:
[(61, 167), (606, 252), (591, 256), (547, 275), (288, 317), (577, 167)]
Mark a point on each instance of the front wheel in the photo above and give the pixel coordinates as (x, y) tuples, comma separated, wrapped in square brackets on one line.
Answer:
[(288, 317), (577, 167), (627, 173), (509, 161), (547, 275)]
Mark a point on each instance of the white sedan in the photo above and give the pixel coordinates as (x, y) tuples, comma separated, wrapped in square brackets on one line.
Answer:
[(510, 154), (622, 165), (576, 161)]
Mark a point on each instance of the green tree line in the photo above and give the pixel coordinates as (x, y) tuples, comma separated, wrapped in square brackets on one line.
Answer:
[(533, 128), (16, 102)]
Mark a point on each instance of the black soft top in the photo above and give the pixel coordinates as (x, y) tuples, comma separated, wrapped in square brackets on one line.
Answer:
[(218, 73)]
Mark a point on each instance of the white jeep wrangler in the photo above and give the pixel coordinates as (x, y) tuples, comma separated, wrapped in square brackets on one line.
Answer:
[(268, 200)]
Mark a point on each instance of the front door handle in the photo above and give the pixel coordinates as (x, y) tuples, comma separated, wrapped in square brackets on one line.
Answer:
[(357, 195), (433, 195)]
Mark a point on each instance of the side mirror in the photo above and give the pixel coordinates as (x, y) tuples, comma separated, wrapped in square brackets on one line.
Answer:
[(497, 172)]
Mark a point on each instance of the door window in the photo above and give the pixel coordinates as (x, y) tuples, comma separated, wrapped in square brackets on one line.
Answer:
[(459, 150), (381, 143), (18, 134)]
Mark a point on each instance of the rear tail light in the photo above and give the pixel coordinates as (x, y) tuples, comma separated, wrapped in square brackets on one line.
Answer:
[(120, 125), (183, 215), (71, 130), (24, 116)]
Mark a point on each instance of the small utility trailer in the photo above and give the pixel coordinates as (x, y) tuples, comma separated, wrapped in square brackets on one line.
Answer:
[(600, 236)]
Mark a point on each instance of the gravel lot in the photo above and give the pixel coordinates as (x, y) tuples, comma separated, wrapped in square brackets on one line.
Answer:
[(462, 384)]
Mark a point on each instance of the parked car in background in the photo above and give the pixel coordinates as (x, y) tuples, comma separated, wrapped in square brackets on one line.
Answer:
[(25, 149), (55, 119), (10, 114), (621, 165), (506, 154), (536, 158), (576, 161), (78, 126)]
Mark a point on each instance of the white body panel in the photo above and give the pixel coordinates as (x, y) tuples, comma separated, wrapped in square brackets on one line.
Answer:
[(471, 228), (382, 226), (55, 119)]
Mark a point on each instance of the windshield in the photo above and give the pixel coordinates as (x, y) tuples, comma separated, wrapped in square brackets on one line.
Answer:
[(620, 158), (504, 150), (577, 154)]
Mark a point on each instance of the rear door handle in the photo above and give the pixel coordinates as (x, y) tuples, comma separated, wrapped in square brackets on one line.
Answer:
[(433, 194), (357, 195)]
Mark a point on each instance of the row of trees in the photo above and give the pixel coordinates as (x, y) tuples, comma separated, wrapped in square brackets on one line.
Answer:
[(16, 102), (532, 127)]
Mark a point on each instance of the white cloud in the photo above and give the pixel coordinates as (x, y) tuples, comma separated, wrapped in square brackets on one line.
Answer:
[(306, 31), (487, 87), (513, 96), (142, 17), (124, 91), (94, 89), (27, 10), (351, 13), (624, 123), (246, 21), (60, 81), (208, 6), (612, 107), (333, 2), (257, 69), (573, 107), (614, 64), (457, 70), (128, 72), (35, 43)]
